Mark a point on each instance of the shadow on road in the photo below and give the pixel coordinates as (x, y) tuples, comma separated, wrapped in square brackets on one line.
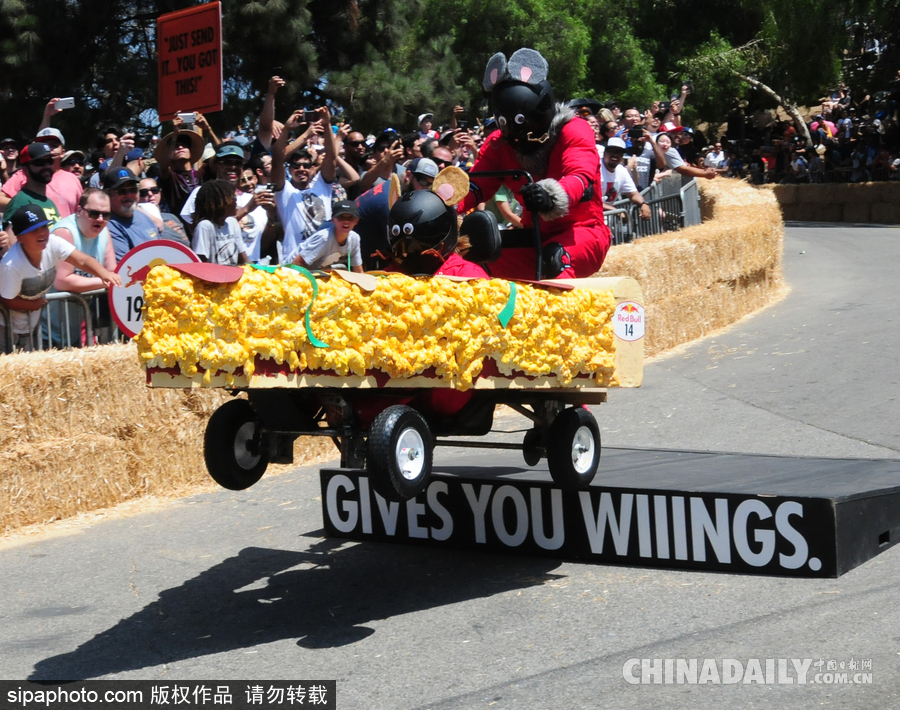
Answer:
[(323, 597)]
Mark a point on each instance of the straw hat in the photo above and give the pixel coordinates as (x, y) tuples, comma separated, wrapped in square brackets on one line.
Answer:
[(166, 143)]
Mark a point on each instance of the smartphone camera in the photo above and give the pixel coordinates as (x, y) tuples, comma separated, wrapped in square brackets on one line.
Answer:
[(65, 103), (187, 118)]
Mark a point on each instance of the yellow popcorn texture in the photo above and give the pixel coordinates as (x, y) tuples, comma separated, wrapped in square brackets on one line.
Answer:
[(404, 327)]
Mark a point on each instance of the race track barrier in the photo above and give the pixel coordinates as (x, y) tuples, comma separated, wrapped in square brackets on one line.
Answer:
[(861, 203)]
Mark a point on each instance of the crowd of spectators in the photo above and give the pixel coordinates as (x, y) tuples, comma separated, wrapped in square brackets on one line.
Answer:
[(257, 198)]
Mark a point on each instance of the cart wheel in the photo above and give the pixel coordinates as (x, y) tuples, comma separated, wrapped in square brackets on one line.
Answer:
[(235, 457), (531, 447), (573, 448), (399, 453)]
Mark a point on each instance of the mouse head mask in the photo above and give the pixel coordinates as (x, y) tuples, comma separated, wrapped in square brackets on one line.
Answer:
[(422, 225), (521, 98)]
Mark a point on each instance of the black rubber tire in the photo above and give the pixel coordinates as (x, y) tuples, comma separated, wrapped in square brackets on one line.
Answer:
[(573, 449), (531, 447), (228, 460), (393, 428)]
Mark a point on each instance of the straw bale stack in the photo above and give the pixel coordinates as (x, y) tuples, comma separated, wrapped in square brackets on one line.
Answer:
[(705, 277), (80, 430), (866, 203)]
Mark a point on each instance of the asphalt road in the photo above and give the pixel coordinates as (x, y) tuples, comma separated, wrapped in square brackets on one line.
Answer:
[(244, 586)]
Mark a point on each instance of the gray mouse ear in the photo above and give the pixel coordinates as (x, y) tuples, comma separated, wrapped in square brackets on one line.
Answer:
[(529, 66), (495, 71)]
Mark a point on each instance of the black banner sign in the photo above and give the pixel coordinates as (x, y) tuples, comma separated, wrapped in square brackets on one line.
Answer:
[(635, 527)]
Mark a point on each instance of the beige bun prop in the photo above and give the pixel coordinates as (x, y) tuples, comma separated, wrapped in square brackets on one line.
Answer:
[(394, 190), (451, 185)]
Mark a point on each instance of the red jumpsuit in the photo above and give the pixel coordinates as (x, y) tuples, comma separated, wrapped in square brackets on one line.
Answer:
[(575, 165)]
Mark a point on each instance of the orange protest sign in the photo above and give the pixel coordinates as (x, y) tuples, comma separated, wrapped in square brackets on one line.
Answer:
[(189, 46)]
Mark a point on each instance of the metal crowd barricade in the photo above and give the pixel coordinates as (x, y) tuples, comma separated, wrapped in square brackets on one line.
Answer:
[(618, 221), (672, 206), (77, 315)]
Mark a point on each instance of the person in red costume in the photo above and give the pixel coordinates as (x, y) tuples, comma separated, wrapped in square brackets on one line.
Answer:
[(540, 136)]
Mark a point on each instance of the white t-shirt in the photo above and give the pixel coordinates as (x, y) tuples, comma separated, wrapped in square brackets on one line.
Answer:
[(219, 245), (715, 160), (615, 183), (322, 249), (18, 277), (303, 212), (252, 226)]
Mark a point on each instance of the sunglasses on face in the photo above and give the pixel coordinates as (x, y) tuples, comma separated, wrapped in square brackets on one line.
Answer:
[(441, 163), (231, 163), (301, 166), (356, 144), (97, 214), (423, 180), (42, 162), (123, 191), (147, 191), (584, 112), (74, 162)]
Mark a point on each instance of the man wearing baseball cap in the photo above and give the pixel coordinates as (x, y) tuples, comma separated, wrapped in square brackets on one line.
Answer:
[(335, 244), (64, 188), (616, 182), (128, 226), (37, 170), (421, 173)]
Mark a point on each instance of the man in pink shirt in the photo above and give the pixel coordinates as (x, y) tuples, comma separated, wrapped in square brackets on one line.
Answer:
[(64, 188)]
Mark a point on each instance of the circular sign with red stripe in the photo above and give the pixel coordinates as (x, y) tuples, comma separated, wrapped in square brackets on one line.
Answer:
[(126, 303)]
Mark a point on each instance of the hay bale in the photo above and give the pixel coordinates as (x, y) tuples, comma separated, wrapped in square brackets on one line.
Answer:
[(80, 430), (856, 212), (886, 213), (705, 277), (787, 194)]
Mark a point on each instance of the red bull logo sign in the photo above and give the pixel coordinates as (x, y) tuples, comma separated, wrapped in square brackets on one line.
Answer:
[(127, 303), (629, 321)]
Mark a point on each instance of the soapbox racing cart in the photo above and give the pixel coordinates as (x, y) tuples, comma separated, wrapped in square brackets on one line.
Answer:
[(390, 426)]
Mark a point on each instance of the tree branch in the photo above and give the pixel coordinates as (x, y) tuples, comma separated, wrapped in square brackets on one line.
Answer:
[(789, 108)]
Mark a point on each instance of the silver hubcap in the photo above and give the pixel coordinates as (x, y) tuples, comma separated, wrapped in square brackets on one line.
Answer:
[(583, 450), (410, 454), (242, 440)]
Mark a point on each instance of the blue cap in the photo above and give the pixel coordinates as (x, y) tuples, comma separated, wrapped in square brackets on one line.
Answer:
[(28, 218), (230, 149)]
